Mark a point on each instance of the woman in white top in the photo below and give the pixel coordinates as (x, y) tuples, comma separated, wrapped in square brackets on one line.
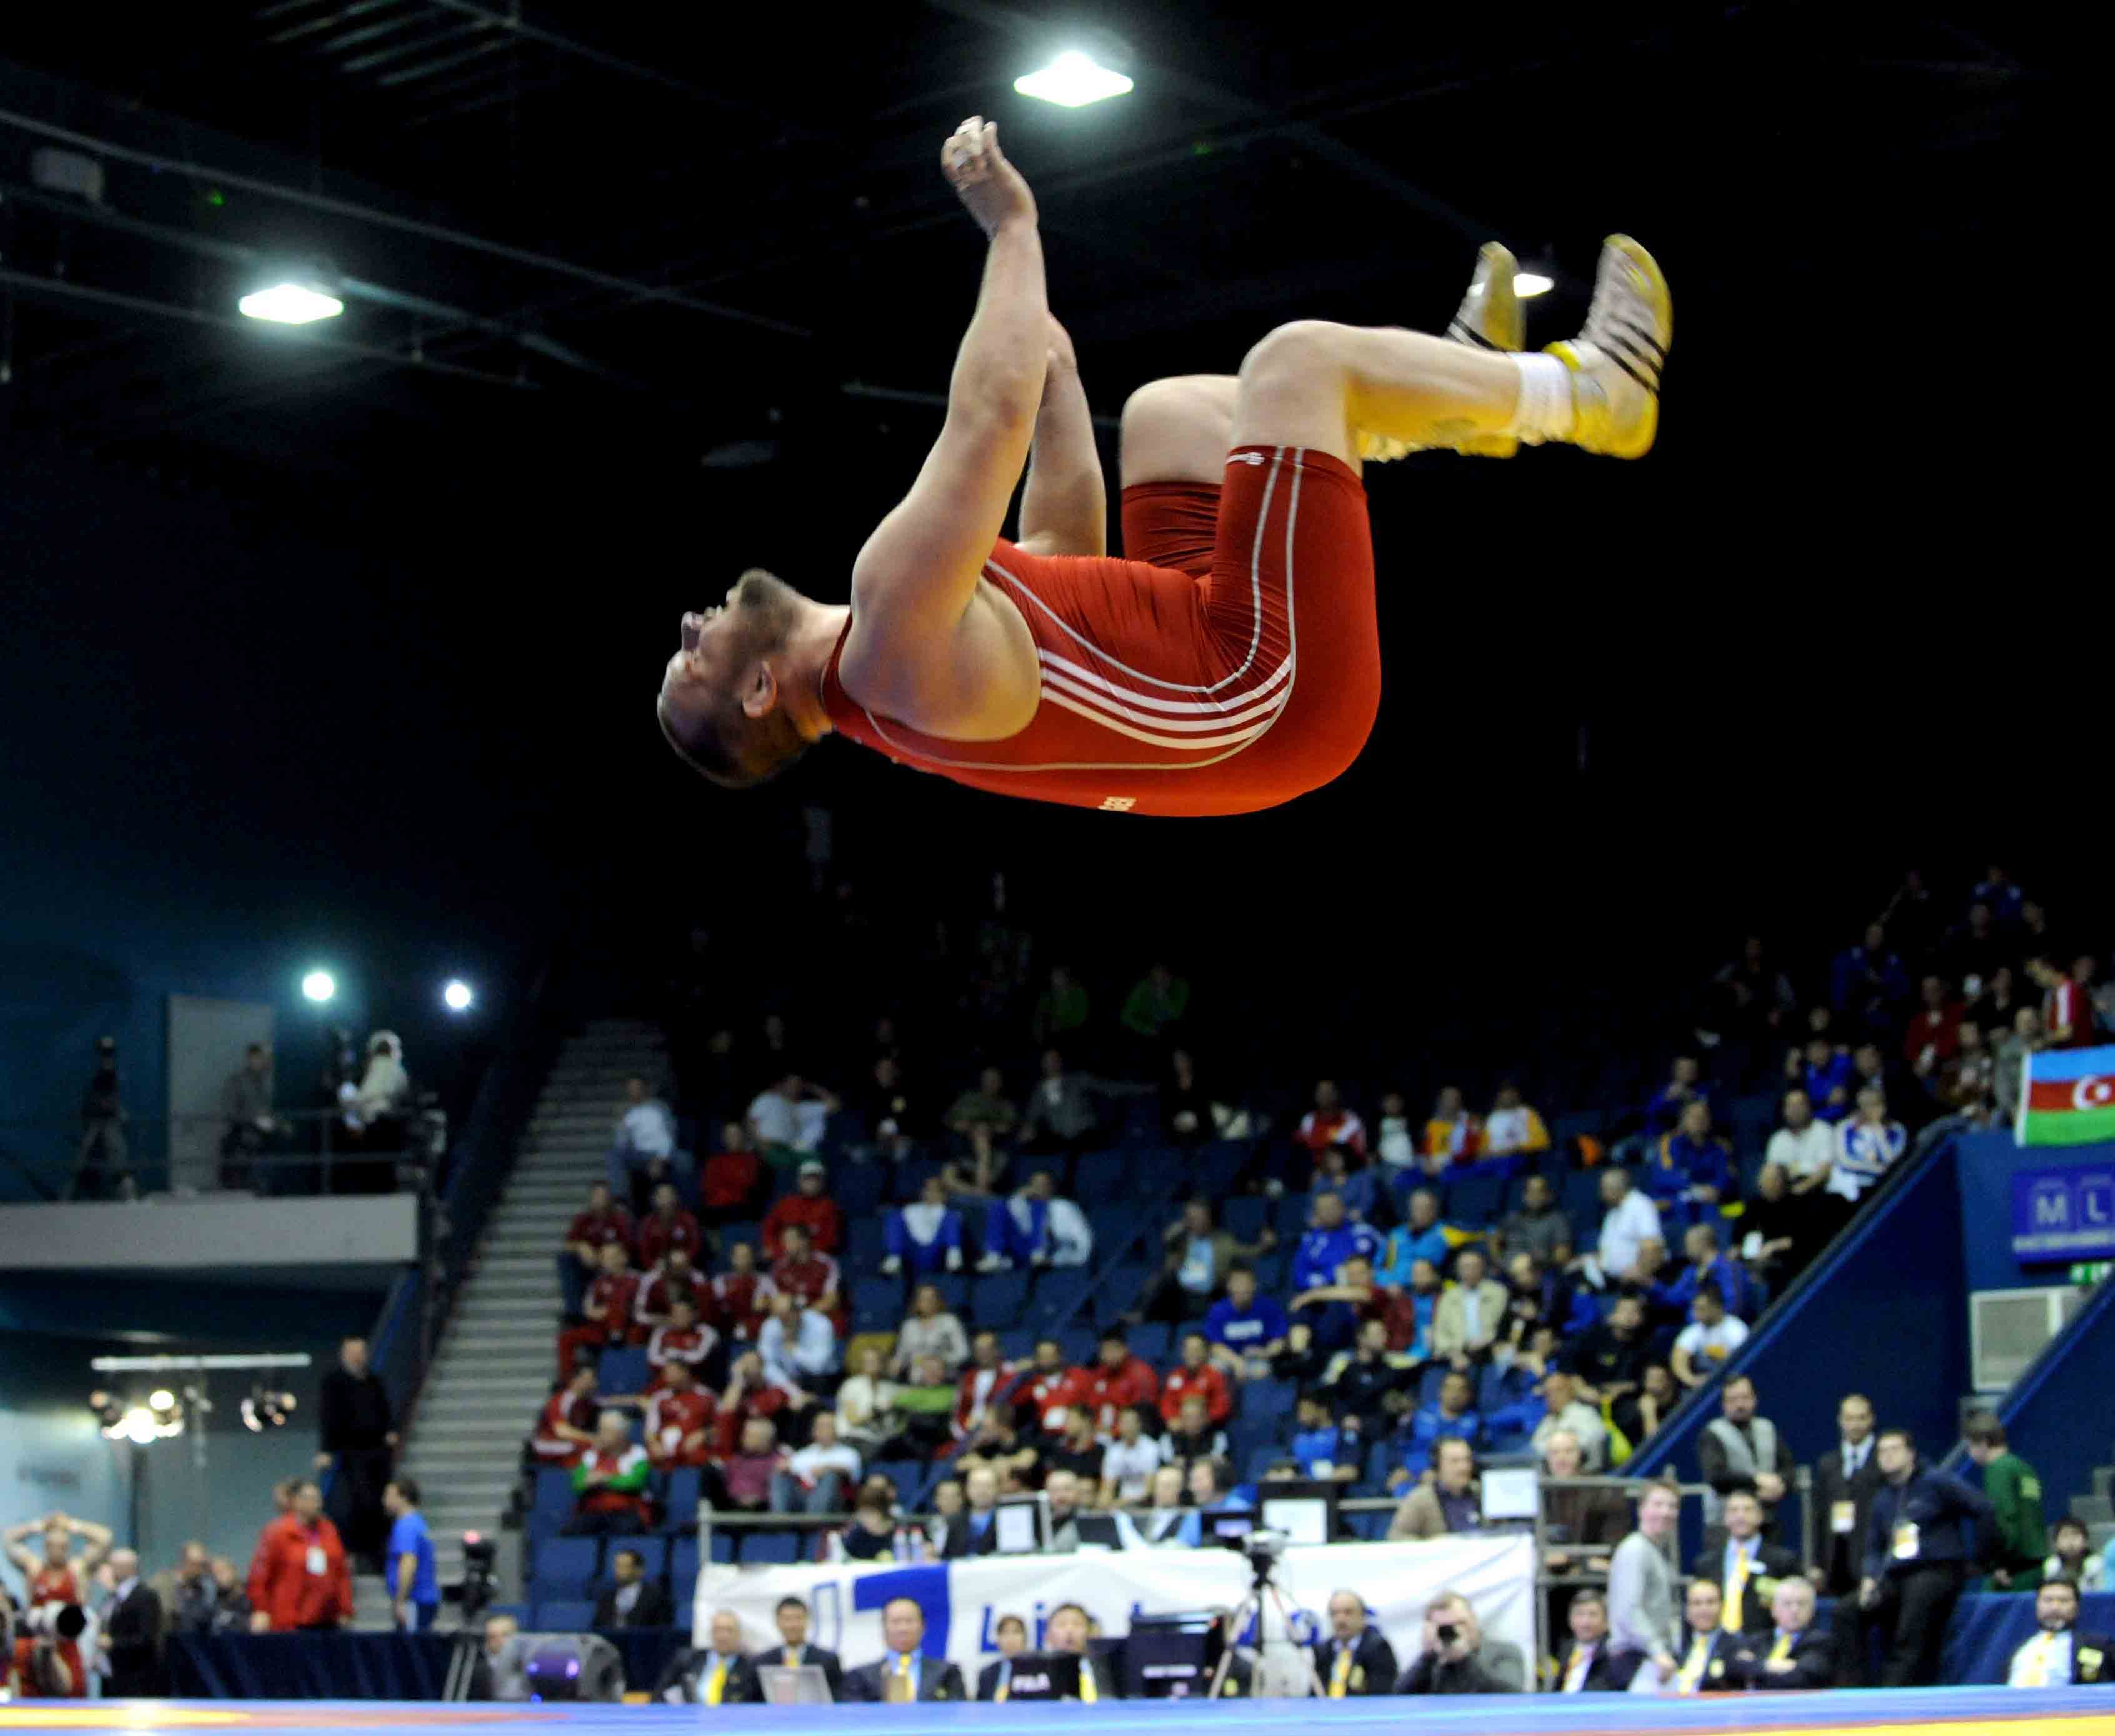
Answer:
[(864, 1402)]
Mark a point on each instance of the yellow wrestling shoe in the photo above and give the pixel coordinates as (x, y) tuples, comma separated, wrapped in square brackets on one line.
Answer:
[(1616, 360), (1490, 318)]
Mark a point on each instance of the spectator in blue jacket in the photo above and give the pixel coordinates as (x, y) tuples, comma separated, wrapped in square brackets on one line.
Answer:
[(1868, 986), (926, 1238), (1664, 1110), (1246, 1329), (1334, 1239), (1422, 1237), (1824, 1073), (1690, 1170), (1709, 1264), (1451, 1416)]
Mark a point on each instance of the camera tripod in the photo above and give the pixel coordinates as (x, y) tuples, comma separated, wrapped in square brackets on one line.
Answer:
[(1265, 1585)]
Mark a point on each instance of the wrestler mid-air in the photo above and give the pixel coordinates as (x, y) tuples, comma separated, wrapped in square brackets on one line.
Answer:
[(1231, 661)]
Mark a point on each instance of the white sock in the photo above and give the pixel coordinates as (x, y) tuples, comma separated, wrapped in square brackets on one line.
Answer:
[(1544, 409)]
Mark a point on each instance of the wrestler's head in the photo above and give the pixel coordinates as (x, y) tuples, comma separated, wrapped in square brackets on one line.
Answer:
[(721, 704)]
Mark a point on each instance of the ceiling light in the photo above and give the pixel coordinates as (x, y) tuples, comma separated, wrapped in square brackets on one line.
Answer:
[(161, 1400), (1072, 81), (457, 996), (320, 985), (291, 303), (1533, 283)]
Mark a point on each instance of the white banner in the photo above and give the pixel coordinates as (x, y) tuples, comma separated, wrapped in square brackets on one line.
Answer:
[(964, 1600)]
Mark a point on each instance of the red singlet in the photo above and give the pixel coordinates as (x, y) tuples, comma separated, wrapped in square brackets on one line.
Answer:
[(1231, 663)]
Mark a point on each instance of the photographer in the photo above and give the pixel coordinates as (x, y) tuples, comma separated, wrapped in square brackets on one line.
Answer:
[(1448, 1664), (47, 1653)]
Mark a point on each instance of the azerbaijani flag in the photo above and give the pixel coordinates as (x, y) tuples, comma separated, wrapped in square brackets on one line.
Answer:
[(2069, 1098)]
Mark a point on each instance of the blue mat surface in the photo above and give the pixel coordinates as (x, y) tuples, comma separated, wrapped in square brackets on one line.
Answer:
[(2021, 1712)]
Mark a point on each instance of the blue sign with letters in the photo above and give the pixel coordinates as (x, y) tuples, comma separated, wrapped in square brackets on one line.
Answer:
[(2063, 1214)]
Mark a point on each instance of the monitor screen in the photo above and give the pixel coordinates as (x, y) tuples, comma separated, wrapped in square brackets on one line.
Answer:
[(1229, 1527), (1018, 1527), (1304, 1518), (1044, 1675)]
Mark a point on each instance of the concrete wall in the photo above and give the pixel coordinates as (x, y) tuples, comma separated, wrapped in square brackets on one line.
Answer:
[(212, 1233)]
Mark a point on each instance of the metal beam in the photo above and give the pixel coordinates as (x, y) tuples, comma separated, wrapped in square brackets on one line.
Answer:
[(439, 232)]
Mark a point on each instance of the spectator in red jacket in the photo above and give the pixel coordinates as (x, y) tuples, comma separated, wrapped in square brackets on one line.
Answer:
[(739, 1295), (1121, 1381), (565, 1428), (809, 1207), (1937, 1028), (809, 1277), (681, 1340), (667, 1228), (607, 1307), (734, 1180), (1197, 1375), (1330, 1123), (1048, 1390), (596, 1228), (982, 1383), (298, 1578), (681, 1420), (657, 1292)]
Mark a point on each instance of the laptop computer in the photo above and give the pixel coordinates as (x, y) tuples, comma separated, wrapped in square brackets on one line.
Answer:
[(788, 1684)]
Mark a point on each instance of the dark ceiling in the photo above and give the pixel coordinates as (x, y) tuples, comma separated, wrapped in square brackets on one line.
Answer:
[(693, 224)]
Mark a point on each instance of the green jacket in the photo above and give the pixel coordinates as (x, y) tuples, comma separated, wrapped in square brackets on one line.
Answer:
[(2014, 1490), (627, 1478)]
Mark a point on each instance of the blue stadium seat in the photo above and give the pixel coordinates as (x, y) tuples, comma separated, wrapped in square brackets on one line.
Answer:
[(771, 1548), (1473, 1198), (1428, 1382), (682, 1566), (1141, 1121), (748, 1229), (1245, 1215), (685, 1609), (565, 1567), (996, 1299), (1498, 1387), (1103, 1177), (1290, 1215), (1267, 1400), (908, 1177), (877, 1304), (1151, 1341), (554, 1496), (866, 1243), (624, 1369), (1381, 1457), (563, 1615), (906, 1473), (1056, 1294), (723, 1548), (1369, 1527), (679, 1500), (858, 1188), (1271, 1271), (1582, 1198), (1754, 1118), (954, 1289), (653, 1550), (1113, 1225), (1017, 1345), (1120, 1292), (1262, 1458), (1076, 1344), (1579, 1124), (1215, 1166), (1518, 1443)]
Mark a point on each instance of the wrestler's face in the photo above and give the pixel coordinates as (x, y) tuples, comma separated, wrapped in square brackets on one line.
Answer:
[(721, 645)]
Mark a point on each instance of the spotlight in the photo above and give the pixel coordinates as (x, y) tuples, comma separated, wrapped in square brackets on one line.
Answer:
[(319, 986), (160, 1401), (1072, 81), (1533, 283), (457, 996), (263, 1409), (291, 304)]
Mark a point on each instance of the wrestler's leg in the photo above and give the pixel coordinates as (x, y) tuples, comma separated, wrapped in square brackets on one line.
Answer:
[(1315, 384), (1178, 430)]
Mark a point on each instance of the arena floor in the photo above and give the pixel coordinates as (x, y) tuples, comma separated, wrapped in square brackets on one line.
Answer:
[(2018, 1712)]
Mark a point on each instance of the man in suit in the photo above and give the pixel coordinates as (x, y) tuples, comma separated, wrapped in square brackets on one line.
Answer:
[(1068, 1632), (974, 1530), (2062, 1651), (1356, 1658), (134, 1632), (719, 1675), (904, 1673), (634, 1601), (1791, 1653), (1586, 1663), (1466, 1318), (1012, 1636), (1845, 1481), (1746, 1569), (793, 1616), (1708, 1649)]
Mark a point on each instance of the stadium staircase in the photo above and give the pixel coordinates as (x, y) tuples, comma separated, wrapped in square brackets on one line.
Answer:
[(493, 1366)]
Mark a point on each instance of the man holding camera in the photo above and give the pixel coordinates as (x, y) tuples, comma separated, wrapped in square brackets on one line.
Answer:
[(1448, 1664)]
